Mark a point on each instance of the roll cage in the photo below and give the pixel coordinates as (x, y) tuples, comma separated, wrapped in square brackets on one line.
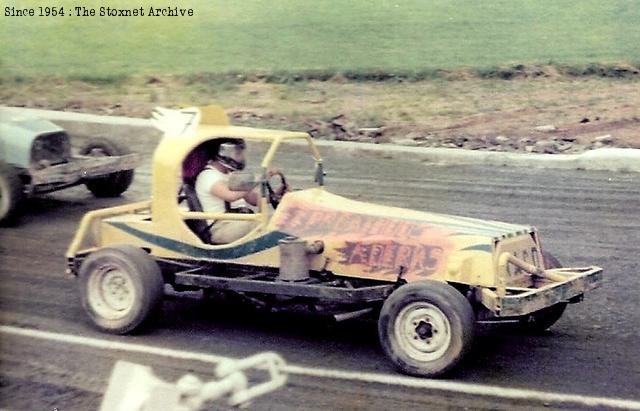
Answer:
[(169, 166)]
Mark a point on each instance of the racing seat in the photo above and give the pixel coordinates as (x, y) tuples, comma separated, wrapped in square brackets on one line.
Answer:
[(200, 227)]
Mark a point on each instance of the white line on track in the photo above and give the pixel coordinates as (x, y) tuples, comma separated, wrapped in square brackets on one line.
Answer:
[(435, 385)]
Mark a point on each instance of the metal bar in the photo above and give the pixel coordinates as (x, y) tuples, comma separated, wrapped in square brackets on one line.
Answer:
[(314, 149), (340, 294), (263, 206), (252, 276), (530, 268), (272, 151), (203, 215), (84, 167), (45, 188), (352, 314), (90, 217), (576, 283), (501, 281)]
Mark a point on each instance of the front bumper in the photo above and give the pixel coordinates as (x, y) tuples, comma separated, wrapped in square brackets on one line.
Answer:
[(80, 168), (522, 301)]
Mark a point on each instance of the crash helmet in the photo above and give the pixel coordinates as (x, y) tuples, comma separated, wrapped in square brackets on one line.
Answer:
[(231, 154)]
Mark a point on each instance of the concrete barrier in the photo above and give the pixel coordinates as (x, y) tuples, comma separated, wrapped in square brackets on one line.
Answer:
[(610, 159)]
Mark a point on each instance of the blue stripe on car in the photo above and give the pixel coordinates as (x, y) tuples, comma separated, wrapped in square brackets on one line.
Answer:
[(256, 245)]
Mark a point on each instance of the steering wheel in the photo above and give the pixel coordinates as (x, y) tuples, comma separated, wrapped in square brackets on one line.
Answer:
[(274, 197)]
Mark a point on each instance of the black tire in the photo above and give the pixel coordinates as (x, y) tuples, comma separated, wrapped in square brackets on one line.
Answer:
[(541, 320), (426, 328), (110, 185), (11, 193), (121, 288)]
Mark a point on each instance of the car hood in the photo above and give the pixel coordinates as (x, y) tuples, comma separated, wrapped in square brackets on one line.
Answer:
[(17, 134), (380, 242), (318, 213)]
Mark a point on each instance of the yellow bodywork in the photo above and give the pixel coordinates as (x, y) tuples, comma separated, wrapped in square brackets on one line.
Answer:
[(361, 240)]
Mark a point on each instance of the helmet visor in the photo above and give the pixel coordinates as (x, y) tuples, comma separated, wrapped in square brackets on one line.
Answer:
[(232, 155)]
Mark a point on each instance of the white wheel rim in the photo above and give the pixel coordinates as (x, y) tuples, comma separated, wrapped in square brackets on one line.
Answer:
[(110, 292), (423, 331)]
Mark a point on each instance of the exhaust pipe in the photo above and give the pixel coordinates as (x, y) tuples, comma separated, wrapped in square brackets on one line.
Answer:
[(294, 258)]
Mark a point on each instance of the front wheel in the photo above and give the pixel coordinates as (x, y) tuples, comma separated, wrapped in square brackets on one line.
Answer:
[(121, 287), (426, 328), (113, 184)]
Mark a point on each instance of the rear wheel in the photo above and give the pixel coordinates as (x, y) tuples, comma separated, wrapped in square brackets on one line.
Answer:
[(110, 185), (121, 287), (426, 328), (11, 192), (539, 321)]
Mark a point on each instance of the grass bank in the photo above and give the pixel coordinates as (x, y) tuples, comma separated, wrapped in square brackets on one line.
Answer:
[(360, 39)]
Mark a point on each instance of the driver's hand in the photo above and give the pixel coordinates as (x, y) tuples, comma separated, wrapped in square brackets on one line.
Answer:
[(272, 172), (283, 189)]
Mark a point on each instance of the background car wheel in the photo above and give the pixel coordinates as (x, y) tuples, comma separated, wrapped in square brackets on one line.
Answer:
[(426, 328), (111, 185), (11, 192), (121, 287), (541, 320)]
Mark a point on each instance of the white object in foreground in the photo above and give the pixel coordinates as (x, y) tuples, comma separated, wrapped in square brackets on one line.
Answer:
[(134, 387)]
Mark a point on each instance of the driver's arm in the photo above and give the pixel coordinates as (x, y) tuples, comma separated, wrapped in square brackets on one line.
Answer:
[(221, 190)]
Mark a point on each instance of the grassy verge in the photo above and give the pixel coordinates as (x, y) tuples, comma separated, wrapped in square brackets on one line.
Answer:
[(292, 39)]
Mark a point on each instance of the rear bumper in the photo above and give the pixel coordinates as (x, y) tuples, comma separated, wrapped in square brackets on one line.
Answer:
[(518, 302), (80, 168)]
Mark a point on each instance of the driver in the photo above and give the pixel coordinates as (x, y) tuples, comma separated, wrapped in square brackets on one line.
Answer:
[(215, 196)]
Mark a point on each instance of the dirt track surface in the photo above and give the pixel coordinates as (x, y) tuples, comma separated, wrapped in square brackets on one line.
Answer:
[(584, 218)]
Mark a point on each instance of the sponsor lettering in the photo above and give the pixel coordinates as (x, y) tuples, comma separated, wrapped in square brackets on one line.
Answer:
[(389, 257), (312, 222)]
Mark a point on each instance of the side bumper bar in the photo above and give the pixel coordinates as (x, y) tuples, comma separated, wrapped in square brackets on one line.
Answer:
[(267, 285), (84, 167)]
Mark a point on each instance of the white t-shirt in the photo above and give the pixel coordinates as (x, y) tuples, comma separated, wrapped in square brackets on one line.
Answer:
[(205, 180)]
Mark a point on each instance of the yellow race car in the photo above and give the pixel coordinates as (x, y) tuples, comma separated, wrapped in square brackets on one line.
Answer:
[(428, 277)]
